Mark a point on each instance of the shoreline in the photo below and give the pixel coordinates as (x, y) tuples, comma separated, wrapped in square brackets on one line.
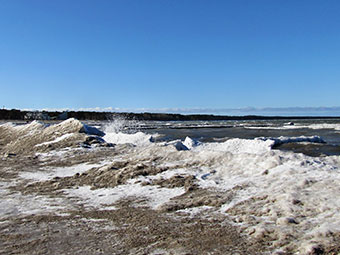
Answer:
[(127, 194), (15, 114)]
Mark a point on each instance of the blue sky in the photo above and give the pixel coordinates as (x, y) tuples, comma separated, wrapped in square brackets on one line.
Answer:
[(178, 55)]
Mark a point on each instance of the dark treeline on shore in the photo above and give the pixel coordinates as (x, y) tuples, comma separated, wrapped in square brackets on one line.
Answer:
[(89, 115)]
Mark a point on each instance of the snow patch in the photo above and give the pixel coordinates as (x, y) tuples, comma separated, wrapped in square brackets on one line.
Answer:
[(17, 204), (238, 146), (195, 210), (58, 139), (50, 173), (155, 196)]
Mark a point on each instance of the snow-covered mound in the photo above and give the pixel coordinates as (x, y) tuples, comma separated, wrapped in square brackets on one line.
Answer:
[(238, 146), (39, 136), (73, 126), (287, 199)]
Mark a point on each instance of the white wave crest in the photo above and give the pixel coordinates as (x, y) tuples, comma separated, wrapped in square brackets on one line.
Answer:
[(122, 131), (283, 139), (333, 126), (139, 138)]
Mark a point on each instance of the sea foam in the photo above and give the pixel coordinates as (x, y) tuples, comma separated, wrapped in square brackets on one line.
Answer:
[(121, 131)]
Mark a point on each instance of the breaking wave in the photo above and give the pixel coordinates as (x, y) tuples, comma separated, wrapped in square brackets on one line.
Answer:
[(332, 126), (122, 131)]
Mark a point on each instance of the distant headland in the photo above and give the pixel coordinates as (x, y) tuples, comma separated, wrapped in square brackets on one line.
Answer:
[(15, 114)]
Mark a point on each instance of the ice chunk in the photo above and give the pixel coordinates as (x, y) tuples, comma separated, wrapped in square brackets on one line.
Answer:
[(190, 143), (91, 130), (180, 146)]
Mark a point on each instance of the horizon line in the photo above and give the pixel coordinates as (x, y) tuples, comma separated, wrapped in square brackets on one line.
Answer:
[(294, 111)]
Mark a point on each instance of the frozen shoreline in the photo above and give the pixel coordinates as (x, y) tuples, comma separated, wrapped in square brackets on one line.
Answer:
[(270, 195)]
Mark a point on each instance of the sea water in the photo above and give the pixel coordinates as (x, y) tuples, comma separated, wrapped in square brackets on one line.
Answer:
[(220, 131)]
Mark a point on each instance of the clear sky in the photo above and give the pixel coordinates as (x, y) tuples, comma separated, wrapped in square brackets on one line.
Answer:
[(189, 55)]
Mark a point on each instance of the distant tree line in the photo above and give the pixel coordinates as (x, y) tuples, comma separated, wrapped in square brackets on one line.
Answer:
[(15, 114), (12, 114)]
